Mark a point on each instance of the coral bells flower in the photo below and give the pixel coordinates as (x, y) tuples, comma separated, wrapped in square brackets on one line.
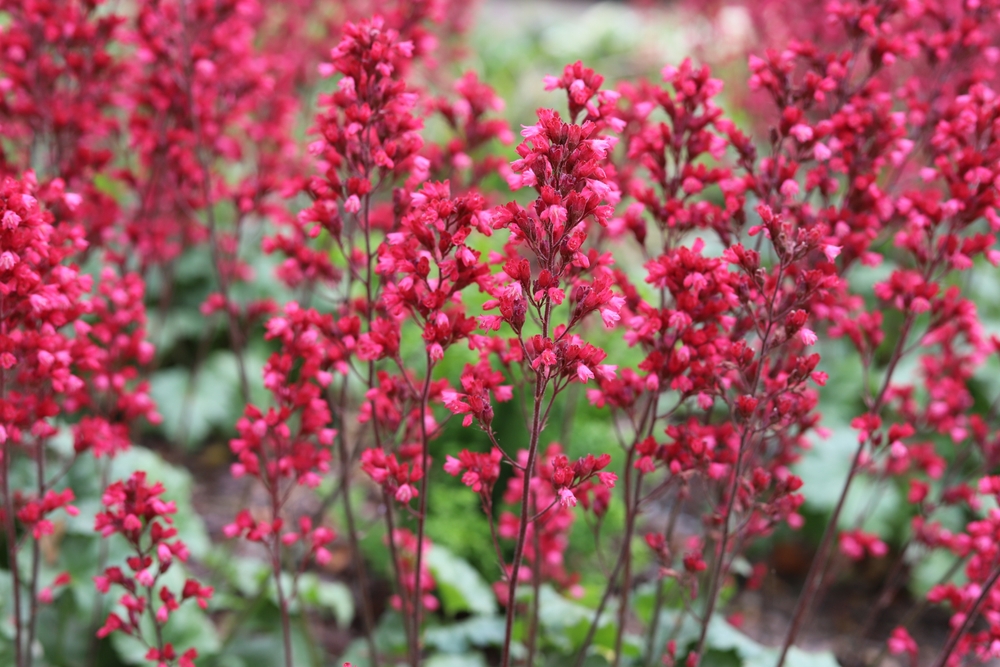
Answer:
[(479, 471), (901, 642), (582, 85), (134, 509), (293, 440), (559, 487), (32, 513), (856, 545), (479, 382), (398, 479), (368, 128)]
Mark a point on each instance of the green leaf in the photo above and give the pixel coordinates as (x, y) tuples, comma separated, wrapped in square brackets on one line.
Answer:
[(478, 631), (824, 468), (390, 636), (929, 571), (193, 409), (331, 596), (450, 660), (723, 638), (460, 585)]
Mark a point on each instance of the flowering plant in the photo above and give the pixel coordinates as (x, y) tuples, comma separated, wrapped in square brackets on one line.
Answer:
[(608, 364)]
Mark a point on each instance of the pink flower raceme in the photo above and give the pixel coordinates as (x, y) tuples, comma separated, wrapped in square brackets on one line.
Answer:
[(479, 471), (556, 490), (33, 513), (63, 351), (61, 77), (134, 509), (399, 480)]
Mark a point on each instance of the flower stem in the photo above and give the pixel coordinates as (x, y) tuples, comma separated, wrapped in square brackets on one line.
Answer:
[(529, 470)]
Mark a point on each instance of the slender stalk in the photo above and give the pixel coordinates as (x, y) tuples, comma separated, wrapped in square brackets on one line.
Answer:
[(394, 553), (654, 623), (536, 583), (631, 509), (529, 470), (624, 555), (715, 581), (422, 516), (35, 560), (818, 567), (918, 609), (10, 529), (156, 624), (819, 563), (286, 625), (102, 558), (11, 539), (361, 580), (582, 653)]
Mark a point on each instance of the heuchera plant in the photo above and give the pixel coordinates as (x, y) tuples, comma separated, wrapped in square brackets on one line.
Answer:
[(719, 260)]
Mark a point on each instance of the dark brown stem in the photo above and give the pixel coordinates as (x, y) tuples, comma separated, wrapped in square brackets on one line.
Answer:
[(536, 584), (397, 572), (35, 560), (422, 517), (352, 535), (529, 469), (286, 624), (818, 567), (631, 509)]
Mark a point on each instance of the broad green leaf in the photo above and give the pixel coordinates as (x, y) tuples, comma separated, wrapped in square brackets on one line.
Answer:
[(824, 468), (929, 570), (332, 596), (191, 409), (459, 637), (450, 660), (461, 587)]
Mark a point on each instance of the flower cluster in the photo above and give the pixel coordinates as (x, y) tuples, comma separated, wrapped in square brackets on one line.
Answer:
[(58, 84), (888, 153), (65, 354), (682, 276), (291, 442), (134, 509)]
